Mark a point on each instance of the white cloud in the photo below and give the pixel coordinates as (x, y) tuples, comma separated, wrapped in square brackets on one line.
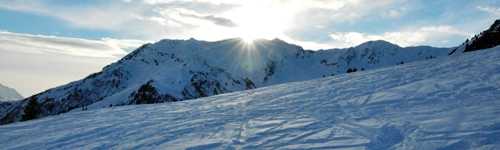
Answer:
[(490, 9), (133, 19), (216, 20), (33, 63), (97, 17), (346, 10), (127, 45), (409, 37), (28, 43)]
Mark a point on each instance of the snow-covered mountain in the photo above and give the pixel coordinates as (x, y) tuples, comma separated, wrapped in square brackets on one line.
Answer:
[(486, 39), (8, 97), (9, 94), (175, 70), (447, 103)]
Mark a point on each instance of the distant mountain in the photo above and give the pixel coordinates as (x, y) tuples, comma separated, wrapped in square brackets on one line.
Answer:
[(8, 97), (176, 70), (9, 94), (486, 39)]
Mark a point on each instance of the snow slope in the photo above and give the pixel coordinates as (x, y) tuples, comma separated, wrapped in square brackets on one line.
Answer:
[(175, 70), (448, 103), (9, 94)]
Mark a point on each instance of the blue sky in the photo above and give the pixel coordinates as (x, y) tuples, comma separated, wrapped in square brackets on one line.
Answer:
[(23, 22), (94, 33)]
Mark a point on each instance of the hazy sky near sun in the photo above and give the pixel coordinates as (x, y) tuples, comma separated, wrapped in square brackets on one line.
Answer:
[(45, 43)]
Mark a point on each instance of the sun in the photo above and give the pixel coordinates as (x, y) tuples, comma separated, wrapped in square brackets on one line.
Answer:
[(248, 39), (266, 23)]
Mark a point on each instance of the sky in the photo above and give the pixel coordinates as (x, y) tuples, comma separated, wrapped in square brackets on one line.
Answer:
[(47, 43)]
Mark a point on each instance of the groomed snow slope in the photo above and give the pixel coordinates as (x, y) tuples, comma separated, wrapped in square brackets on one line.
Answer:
[(452, 103)]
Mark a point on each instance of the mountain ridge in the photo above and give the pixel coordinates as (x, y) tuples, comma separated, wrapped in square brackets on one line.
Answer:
[(8, 98), (9, 94), (175, 70)]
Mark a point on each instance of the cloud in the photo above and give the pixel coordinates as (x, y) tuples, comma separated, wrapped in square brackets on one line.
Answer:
[(126, 45), (409, 37), (30, 73), (200, 6), (490, 9), (148, 19), (96, 17), (33, 63), (313, 23), (28, 43), (347, 10), (216, 20)]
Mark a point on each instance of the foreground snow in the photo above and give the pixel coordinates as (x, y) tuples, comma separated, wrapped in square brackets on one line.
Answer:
[(452, 103)]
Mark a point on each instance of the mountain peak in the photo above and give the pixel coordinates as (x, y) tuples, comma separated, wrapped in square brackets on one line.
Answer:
[(377, 44), (7, 93), (192, 44)]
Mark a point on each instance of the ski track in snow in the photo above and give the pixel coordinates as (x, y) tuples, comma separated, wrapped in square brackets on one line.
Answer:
[(450, 103)]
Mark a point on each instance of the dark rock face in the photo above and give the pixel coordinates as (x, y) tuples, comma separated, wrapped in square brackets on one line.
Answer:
[(32, 110), (217, 81), (249, 84), (4, 106), (203, 84), (270, 69), (147, 94), (487, 39)]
